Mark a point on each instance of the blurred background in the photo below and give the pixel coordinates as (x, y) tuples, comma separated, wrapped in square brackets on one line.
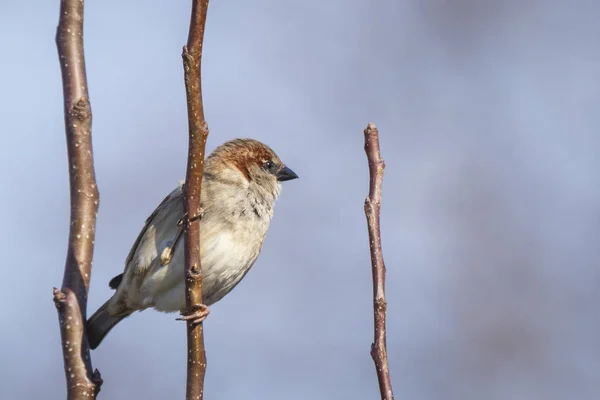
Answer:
[(489, 122)]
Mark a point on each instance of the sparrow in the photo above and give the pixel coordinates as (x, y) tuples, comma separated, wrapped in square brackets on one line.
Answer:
[(240, 184)]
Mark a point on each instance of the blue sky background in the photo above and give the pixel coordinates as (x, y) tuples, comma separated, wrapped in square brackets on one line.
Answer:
[(489, 121)]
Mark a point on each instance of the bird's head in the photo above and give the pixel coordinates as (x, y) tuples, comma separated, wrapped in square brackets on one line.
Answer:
[(250, 164)]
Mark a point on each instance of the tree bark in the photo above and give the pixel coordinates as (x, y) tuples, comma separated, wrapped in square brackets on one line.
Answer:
[(71, 299), (198, 133), (372, 211)]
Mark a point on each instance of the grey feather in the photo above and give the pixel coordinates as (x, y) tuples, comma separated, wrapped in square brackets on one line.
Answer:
[(100, 324)]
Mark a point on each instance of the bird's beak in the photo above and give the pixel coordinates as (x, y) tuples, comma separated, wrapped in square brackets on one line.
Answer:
[(286, 174)]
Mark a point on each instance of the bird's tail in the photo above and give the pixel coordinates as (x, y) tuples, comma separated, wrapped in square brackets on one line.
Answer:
[(100, 324)]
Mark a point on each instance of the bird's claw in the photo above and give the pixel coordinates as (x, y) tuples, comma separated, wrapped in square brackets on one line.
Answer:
[(186, 217), (196, 316), (167, 254)]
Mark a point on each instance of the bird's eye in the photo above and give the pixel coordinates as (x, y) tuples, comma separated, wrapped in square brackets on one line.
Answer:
[(269, 165)]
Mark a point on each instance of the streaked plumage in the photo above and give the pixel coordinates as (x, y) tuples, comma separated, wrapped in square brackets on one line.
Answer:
[(240, 185)]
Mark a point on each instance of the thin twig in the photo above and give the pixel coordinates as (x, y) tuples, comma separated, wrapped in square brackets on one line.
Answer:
[(198, 133), (71, 300), (372, 211)]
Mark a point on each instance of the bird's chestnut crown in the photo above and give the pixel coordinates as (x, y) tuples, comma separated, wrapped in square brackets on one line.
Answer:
[(255, 160)]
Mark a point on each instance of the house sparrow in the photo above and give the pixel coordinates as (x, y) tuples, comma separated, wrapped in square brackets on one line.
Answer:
[(240, 184)]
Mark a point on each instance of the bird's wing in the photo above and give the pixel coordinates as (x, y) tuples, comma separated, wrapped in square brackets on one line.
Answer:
[(159, 230), (147, 244)]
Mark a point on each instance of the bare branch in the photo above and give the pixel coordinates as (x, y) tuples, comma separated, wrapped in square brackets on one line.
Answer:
[(71, 300), (372, 211), (198, 133)]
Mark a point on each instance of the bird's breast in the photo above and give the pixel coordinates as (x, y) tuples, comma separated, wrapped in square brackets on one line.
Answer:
[(227, 255)]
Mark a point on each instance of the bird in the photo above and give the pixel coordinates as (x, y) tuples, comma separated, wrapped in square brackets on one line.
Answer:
[(241, 182)]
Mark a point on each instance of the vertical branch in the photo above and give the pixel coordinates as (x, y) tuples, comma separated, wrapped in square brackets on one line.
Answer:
[(198, 132), (372, 211), (71, 300)]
